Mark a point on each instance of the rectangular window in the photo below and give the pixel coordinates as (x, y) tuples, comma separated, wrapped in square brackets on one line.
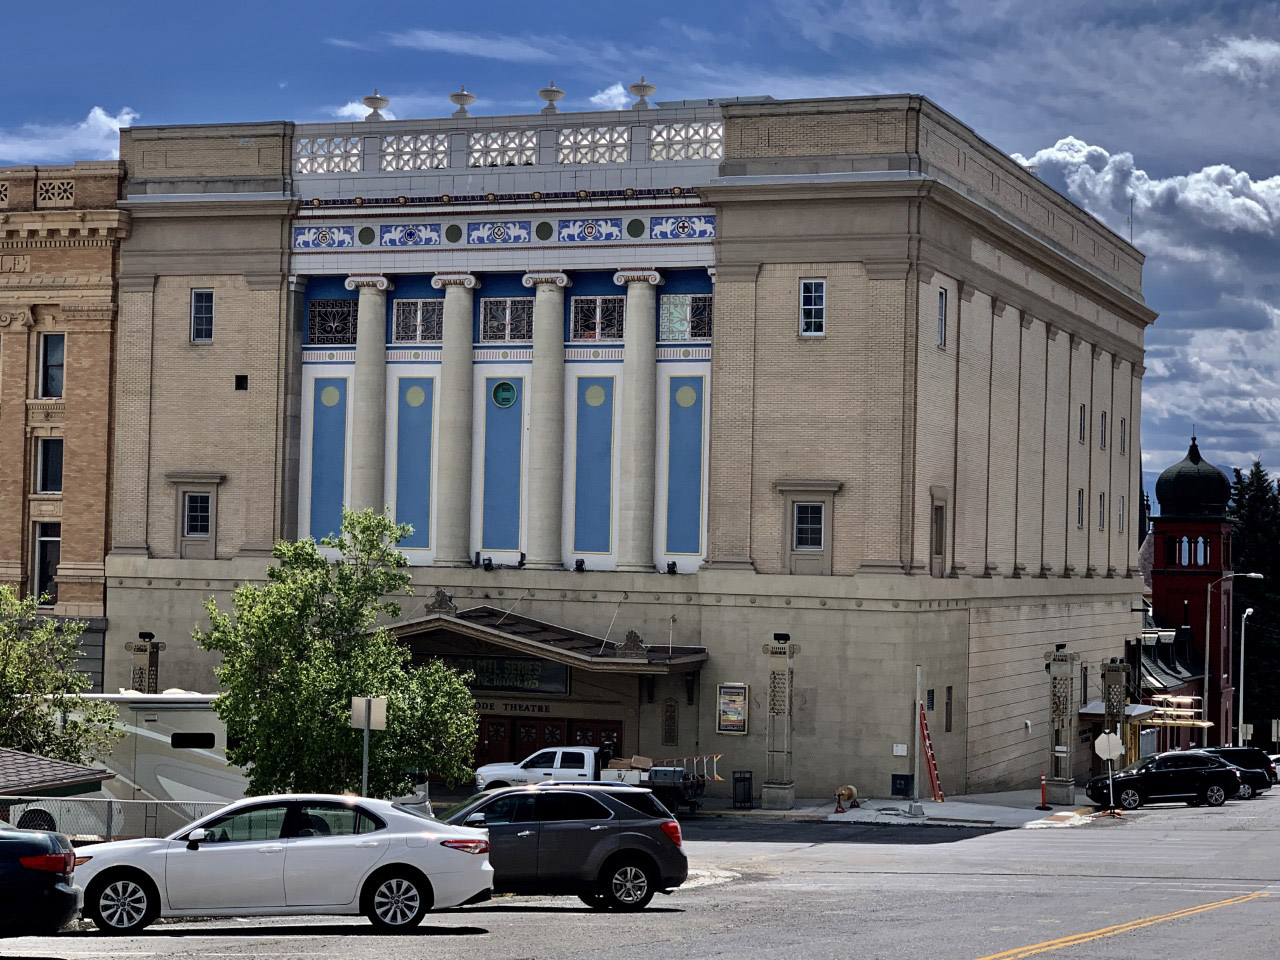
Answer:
[(1080, 508), (685, 317), (1082, 423), (418, 321), (1120, 516), (49, 465), (1120, 438), (937, 539), (506, 318), (947, 726), (1102, 511), (195, 514), (1102, 435), (808, 527), (48, 553), (201, 316), (52, 359), (813, 308), (598, 318), (942, 318), (1084, 684), (928, 700)]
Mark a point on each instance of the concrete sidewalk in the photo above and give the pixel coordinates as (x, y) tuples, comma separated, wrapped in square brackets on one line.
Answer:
[(1009, 810)]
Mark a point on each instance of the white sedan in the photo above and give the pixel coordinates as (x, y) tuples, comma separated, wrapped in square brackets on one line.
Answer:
[(297, 854)]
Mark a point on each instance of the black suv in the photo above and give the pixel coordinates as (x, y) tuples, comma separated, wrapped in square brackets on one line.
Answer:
[(612, 846), (1181, 775), (1247, 758), (36, 888)]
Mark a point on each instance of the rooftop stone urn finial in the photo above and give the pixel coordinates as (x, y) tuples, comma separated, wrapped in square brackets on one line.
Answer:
[(642, 90), (375, 103), (551, 93), (463, 100)]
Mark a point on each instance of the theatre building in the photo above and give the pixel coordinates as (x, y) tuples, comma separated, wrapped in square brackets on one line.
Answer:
[(713, 419)]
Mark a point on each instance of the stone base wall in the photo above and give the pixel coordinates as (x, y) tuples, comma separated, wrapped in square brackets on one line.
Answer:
[(859, 640)]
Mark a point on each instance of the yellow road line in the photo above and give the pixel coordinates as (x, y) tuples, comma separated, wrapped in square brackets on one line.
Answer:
[(1018, 953)]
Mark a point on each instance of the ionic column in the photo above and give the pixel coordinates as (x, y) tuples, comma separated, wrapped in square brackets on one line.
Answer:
[(453, 470), (639, 420), (546, 423), (369, 395)]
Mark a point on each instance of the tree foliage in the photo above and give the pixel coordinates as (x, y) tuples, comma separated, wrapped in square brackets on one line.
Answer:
[(1254, 513), (40, 710), (297, 648)]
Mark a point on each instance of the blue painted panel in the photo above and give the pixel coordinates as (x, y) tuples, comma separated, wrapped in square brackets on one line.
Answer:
[(593, 472), (686, 280), (416, 401), (684, 466), (503, 433), (328, 455)]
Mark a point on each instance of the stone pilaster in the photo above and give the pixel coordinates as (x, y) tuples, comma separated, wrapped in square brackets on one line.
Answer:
[(453, 472), (546, 423), (639, 420), (369, 409)]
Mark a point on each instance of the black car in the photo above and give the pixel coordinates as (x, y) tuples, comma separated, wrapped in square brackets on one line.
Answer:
[(1190, 776), (37, 896), (1247, 758), (613, 846)]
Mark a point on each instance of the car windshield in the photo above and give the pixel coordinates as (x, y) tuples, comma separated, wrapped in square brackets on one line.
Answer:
[(457, 808), (1136, 765)]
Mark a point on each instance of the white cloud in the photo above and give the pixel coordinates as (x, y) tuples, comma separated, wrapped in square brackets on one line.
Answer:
[(614, 97), (1250, 59), (96, 137), (497, 47), (355, 110)]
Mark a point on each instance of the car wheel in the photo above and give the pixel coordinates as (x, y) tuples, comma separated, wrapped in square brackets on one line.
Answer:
[(121, 902), (397, 899), (1129, 798), (1214, 796), (628, 885), (1246, 792), (594, 900)]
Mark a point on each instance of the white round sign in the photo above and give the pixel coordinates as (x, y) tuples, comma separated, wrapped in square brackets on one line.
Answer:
[(1109, 746)]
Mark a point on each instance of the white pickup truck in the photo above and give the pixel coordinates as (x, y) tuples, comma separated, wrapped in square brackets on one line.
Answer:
[(672, 785)]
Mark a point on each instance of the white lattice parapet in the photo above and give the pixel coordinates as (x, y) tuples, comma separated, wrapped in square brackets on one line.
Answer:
[(593, 145), (425, 152), (326, 155), (503, 148), (687, 141)]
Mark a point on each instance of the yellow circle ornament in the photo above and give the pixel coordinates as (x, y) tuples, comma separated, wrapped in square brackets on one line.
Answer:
[(686, 396), (594, 396), (329, 396), (415, 396)]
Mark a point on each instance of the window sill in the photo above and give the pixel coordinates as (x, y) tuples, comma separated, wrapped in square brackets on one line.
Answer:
[(49, 495)]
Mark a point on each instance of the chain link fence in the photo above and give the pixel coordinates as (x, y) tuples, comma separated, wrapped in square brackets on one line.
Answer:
[(94, 819)]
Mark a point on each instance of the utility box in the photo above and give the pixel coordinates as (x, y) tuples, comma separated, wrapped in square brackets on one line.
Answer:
[(902, 785)]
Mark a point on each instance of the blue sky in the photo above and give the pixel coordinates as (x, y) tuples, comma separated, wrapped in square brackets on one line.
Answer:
[(1170, 103)]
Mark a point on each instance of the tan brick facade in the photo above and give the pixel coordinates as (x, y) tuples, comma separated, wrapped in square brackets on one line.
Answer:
[(59, 239)]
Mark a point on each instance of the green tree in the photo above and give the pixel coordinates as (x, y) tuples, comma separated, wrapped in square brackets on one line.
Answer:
[(1254, 513), (297, 648), (40, 710)]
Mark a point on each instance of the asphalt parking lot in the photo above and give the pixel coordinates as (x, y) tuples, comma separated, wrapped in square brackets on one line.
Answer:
[(1165, 881)]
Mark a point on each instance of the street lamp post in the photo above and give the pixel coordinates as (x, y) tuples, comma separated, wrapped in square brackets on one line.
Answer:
[(1240, 697), (1208, 601)]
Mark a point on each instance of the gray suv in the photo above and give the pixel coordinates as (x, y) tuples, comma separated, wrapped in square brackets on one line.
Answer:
[(613, 846)]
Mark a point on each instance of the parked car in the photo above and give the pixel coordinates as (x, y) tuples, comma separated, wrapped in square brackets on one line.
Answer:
[(1190, 776), (612, 845), (302, 854), (37, 896), (1252, 783), (1247, 758), (674, 786)]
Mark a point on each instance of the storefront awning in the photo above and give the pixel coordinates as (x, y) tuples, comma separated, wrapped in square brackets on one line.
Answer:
[(1094, 710), (535, 638)]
